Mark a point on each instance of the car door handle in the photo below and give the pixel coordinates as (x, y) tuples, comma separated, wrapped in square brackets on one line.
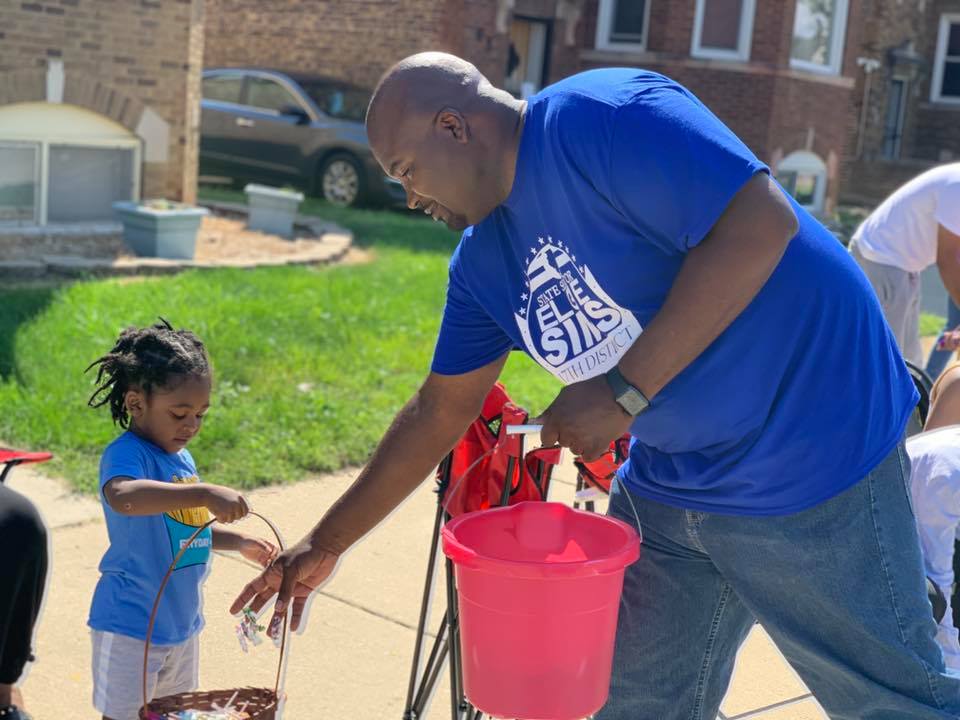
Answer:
[(245, 122)]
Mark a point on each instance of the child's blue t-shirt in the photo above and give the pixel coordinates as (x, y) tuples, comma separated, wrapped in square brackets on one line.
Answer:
[(619, 174), (142, 548)]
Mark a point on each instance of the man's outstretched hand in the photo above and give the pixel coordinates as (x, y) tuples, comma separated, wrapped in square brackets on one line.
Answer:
[(293, 576)]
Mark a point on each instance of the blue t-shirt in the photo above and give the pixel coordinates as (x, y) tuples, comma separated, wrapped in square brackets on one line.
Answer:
[(619, 174), (142, 548)]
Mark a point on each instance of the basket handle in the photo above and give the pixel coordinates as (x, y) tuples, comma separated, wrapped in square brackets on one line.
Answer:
[(163, 585)]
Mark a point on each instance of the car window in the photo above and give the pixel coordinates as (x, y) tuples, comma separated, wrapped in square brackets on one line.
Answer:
[(339, 101), (269, 95), (223, 88)]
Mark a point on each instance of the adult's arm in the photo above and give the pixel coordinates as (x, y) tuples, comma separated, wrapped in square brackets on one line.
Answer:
[(718, 279), (423, 432)]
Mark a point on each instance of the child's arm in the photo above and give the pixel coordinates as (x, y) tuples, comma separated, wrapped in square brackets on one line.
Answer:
[(128, 496), (253, 549)]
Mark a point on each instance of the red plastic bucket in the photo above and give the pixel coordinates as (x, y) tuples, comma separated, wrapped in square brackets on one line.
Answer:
[(539, 591)]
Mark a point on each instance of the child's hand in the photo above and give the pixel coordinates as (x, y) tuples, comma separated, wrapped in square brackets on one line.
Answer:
[(950, 340), (226, 505), (258, 550)]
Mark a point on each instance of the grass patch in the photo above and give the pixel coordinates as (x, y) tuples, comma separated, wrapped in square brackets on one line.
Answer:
[(931, 324), (311, 364)]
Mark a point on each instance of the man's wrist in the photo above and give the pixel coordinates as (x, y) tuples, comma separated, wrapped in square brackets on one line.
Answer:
[(320, 542), (629, 397)]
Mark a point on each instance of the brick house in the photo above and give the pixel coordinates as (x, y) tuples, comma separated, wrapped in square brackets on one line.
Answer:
[(788, 76), (780, 74), (99, 101), (907, 98)]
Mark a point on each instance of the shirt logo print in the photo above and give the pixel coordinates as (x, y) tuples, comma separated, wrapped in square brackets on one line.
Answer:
[(569, 324)]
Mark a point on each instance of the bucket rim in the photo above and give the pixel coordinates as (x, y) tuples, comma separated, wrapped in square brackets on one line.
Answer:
[(615, 561)]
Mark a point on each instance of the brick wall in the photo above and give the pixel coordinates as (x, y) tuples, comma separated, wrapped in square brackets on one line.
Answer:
[(356, 40), (772, 108), (934, 127), (122, 59), (479, 41), (893, 31)]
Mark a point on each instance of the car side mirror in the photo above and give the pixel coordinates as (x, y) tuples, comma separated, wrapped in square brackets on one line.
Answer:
[(298, 113)]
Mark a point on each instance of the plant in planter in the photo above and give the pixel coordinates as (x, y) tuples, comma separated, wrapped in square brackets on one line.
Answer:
[(160, 228), (272, 210)]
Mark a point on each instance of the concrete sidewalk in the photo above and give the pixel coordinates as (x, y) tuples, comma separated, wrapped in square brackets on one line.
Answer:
[(353, 660)]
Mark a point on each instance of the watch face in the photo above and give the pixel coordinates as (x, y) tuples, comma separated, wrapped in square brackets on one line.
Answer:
[(633, 402)]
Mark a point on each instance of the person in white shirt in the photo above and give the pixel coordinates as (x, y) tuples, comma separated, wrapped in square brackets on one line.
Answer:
[(935, 490), (917, 226)]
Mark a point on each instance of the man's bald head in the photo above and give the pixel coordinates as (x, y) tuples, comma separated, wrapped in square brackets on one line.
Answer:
[(436, 124), (422, 84)]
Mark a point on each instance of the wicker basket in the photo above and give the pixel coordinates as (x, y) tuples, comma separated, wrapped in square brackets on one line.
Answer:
[(257, 703)]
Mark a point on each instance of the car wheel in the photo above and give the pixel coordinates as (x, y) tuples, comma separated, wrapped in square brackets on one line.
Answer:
[(341, 180)]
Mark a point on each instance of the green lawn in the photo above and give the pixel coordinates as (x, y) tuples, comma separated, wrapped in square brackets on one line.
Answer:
[(931, 324), (311, 364)]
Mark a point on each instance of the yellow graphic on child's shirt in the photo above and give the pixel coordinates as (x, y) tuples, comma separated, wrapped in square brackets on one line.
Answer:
[(196, 516)]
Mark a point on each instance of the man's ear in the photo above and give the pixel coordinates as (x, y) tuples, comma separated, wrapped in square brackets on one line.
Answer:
[(135, 402), (451, 122)]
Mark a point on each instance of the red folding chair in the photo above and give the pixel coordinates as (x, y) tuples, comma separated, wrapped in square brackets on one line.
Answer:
[(9, 459), (487, 468), (594, 478)]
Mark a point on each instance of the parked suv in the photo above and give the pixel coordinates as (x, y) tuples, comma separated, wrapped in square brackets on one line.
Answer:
[(291, 129)]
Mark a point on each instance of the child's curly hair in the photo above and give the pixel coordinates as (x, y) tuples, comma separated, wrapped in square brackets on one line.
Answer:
[(148, 358)]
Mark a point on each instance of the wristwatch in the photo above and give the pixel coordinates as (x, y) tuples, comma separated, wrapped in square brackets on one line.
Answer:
[(627, 396)]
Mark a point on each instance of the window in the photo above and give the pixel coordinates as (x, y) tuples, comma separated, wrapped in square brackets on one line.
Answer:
[(83, 182), (893, 123), (222, 88), (63, 164), (622, 24), (18, 184), (945, 86), (268, 94), (723, 29), (804, 175), (819, 27), (339, 101)]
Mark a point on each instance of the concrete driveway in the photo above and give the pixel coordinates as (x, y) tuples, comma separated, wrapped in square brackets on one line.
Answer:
[(353, 660)]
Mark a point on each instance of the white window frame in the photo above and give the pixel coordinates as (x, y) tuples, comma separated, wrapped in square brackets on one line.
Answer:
[(42, 176), (744, 39), (836, 48), (38, 199), (940, 60), (605, 25)]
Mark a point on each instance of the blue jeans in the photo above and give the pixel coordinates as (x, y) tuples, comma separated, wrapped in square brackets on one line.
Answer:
[(840, 589), (939, 358)]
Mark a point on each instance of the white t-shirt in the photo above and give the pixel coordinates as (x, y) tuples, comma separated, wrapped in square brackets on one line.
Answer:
[(902, 232), (935, 488)]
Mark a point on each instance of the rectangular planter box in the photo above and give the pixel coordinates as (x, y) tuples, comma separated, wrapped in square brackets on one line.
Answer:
[(163, 233), (272, 210)]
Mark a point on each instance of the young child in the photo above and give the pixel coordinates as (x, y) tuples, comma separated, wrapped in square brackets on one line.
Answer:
[(156, 381)]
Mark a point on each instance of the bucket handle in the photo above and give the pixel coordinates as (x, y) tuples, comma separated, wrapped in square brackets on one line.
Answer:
[(535, 429), (277, 686)]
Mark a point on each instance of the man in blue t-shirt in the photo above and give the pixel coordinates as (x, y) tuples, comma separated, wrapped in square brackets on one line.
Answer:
[(622, 236)]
